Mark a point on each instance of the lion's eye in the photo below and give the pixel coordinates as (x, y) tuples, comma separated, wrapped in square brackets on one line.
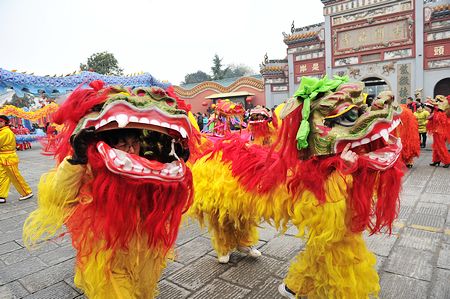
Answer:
[(349, 118)]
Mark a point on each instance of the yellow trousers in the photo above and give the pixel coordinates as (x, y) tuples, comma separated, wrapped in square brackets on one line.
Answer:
[(10, 174)]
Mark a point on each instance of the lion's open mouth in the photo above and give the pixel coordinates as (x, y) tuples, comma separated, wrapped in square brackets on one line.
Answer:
[(257, 121), (161, 145), (379, 147), (134, 166)]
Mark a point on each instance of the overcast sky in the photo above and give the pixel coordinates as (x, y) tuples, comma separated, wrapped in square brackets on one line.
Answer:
[(167, 39)]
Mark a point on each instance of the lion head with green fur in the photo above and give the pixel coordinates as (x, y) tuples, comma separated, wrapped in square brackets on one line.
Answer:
[(334, 114)]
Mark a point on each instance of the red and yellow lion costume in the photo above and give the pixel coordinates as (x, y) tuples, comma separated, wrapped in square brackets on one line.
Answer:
[(122, 210), (302, 180)]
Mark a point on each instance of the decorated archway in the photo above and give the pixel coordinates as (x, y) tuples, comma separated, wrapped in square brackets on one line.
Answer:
[(375, 85), (442, 87)]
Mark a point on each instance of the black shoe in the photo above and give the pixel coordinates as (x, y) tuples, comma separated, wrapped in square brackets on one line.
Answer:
[(446, 166), (409, 165), (2, 200), (435, 163)]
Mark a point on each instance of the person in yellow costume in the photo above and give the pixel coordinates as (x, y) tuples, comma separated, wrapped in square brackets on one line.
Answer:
[(422, 118), (9, 164)]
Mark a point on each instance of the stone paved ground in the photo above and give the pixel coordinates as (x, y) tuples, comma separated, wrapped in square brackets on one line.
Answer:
[(414, 262)]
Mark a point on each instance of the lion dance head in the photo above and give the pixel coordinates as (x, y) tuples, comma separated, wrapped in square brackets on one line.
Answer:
[(139, 193)]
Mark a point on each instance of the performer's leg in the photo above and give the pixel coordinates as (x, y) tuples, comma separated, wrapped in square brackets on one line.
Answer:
[(12, 171), (440, 152), (228, 235), (336, 262), (246, 237), (4, 182), (101, 278), (148, 273), (223, 235), (344, 269), (132, 273)]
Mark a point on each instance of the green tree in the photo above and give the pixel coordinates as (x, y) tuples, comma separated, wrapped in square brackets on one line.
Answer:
[(238, 71), (196, 77), (217, 71), (103, 63)]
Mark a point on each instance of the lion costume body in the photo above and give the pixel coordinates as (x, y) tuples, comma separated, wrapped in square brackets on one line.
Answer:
[(439, 126), (329, 201), (122, 210)]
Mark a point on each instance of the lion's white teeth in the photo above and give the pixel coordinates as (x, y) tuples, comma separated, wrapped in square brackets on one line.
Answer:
[(155, 122), (118, 162), (385, 134), (138, 168), (355, 144), (127, 167), (375, 137), (183, 132), (122, 120), (134, 119), (365, 141), (112, 154), (144, 120)]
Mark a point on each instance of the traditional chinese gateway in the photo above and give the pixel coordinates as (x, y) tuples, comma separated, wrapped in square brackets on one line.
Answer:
[(403, 46)]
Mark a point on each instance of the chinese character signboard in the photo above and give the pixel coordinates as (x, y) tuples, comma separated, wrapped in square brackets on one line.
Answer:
[(403, 81), (303, 68), (380, 34), (437, 51)]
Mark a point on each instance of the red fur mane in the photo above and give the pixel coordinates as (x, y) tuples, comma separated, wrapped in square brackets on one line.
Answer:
[(122, 208)]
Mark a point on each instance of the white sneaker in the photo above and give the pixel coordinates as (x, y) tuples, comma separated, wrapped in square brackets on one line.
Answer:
[(25, 197), (285, 292), (250, 251), (224, 259)]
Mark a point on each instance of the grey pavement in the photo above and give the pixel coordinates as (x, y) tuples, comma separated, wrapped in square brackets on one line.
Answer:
[(413, 262)]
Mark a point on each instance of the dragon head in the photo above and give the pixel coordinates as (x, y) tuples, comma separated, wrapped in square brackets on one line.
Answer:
[(163, 129), (338, 116)]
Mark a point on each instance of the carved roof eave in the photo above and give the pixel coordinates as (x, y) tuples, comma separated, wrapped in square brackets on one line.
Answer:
[(265, 74), (210, 85), (304, 40), (441, 14)]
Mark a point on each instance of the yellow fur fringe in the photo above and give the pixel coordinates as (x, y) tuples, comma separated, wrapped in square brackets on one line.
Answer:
[(55, 205), (132, 273)]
